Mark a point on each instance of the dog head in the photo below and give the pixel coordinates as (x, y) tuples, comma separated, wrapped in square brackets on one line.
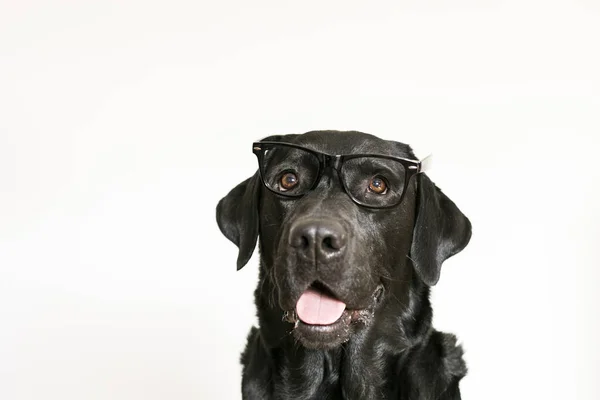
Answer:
[(346, 222)]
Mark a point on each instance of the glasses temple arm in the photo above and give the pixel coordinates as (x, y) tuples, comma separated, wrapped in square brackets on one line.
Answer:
[(426, 164)]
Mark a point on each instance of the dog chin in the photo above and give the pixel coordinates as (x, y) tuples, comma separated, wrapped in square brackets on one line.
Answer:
[(324, 337)]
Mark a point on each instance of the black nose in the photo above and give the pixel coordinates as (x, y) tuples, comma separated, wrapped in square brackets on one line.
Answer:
[(318, 238)]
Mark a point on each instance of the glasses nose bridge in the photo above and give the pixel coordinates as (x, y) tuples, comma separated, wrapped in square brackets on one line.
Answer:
[(333, 162)]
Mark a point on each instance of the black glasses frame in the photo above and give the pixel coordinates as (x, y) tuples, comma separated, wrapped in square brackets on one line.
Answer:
[(411, 168)]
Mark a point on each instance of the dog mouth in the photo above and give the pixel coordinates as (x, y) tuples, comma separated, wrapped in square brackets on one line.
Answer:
[(318, 306), (321, 320)]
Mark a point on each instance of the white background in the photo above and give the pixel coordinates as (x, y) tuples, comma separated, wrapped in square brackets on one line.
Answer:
[(122, 123)]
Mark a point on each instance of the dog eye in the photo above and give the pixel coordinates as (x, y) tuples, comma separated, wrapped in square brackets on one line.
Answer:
[(288, 181), (377, 185)]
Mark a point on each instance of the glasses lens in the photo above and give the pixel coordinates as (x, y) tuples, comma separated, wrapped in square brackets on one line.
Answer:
[(287, 170), (374, 181)]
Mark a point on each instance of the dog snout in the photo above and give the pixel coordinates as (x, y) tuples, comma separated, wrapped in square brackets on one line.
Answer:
[(320, 239)]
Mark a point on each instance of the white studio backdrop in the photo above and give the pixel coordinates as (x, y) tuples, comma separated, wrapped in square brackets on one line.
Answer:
[(122, 123)]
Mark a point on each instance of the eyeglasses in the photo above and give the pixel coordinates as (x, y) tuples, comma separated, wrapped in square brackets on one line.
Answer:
[(371, 180)]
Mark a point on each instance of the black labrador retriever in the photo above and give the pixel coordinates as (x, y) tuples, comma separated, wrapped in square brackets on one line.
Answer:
[(352, 235)]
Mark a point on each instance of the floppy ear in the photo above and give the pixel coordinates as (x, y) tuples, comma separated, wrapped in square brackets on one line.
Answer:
[(441, 230), (237, 216)]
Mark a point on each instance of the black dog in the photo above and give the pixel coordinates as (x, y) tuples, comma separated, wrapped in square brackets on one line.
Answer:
[(349, 248)]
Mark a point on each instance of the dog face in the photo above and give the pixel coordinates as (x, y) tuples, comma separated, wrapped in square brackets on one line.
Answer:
[(340, 237)]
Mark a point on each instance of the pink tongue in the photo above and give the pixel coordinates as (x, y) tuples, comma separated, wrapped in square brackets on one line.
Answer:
[(316, 308)]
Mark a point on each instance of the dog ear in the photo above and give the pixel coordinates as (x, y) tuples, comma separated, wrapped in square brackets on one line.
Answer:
[(237, 216), (441, 230)]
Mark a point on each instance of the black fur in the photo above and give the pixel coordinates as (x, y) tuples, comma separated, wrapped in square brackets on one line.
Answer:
[(389, 350)]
